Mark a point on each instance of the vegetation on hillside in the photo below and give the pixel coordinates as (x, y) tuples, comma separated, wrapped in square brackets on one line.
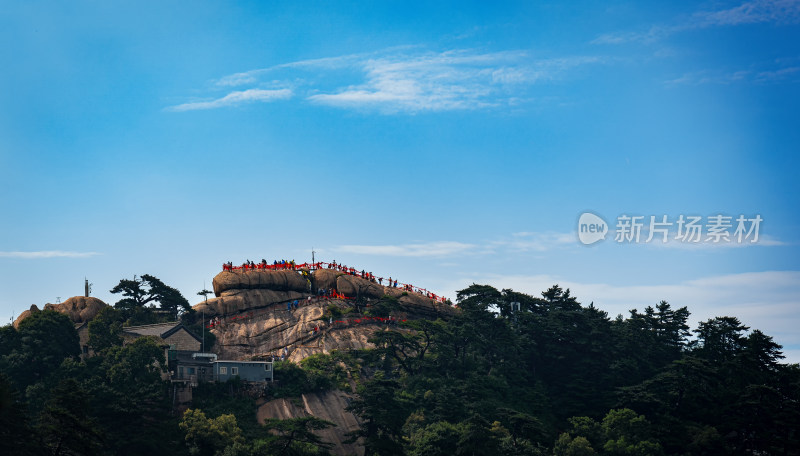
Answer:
[(554, 377)]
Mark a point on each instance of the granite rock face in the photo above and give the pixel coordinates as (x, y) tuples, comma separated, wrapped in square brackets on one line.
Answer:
[(294, 314), (253, 316), (328, 405), (284, 280), (79, 309)]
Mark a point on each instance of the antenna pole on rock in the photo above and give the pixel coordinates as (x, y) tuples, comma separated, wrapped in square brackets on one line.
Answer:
[(203, 326), (204, 294)]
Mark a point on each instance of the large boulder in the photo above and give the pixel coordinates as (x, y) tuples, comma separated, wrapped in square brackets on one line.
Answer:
[(354, 286), (283, 280), (251, 317), (325, 278), (239, 291), (420, 305), (25, 314), (79, 309)]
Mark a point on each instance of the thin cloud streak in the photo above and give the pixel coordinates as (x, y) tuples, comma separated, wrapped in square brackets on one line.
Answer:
[(252, 76), (430, 249), (518, 242), (530, 242), (755, 12), (454, 80), (235, 99), (47, 254), (781, 12), (731, 243), (758, 76), (538, 242), (401, 79)]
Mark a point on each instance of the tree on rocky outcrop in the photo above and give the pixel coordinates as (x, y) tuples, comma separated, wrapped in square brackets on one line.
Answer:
[(384, 307), (295, 436), (407, 348), (141, 293)]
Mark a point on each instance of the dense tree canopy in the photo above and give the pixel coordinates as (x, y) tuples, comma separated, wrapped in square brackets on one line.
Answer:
[(550, 376), (559, 377)]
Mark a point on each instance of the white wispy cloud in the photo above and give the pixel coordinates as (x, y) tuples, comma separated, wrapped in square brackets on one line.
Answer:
[(781, 74), (428, 249), (772, 72), (405, 79), (453, 80), (47, 254), (765, 300), (781, 12), (704, 244), (236, 98), (537, 242), (753, 12), (330, 63), (522, 242), (517, 242), (654, 33)]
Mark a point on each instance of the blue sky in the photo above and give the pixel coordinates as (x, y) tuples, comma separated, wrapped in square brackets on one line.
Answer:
[(442, 144)]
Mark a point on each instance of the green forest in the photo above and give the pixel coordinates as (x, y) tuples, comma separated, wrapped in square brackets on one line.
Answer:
[(548, 376)]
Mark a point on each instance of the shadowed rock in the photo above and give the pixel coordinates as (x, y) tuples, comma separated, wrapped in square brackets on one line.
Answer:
[(233, 301)]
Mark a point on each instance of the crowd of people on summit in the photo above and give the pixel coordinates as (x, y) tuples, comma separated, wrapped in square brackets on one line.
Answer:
[(292, 265)]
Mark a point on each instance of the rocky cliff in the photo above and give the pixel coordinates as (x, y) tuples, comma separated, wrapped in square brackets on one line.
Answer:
[(253, 316), (250, 316)]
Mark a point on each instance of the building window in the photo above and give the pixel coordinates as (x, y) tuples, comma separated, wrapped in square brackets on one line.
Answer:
[(223, 370), (234, 371), (191, 371), (266, 367)]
